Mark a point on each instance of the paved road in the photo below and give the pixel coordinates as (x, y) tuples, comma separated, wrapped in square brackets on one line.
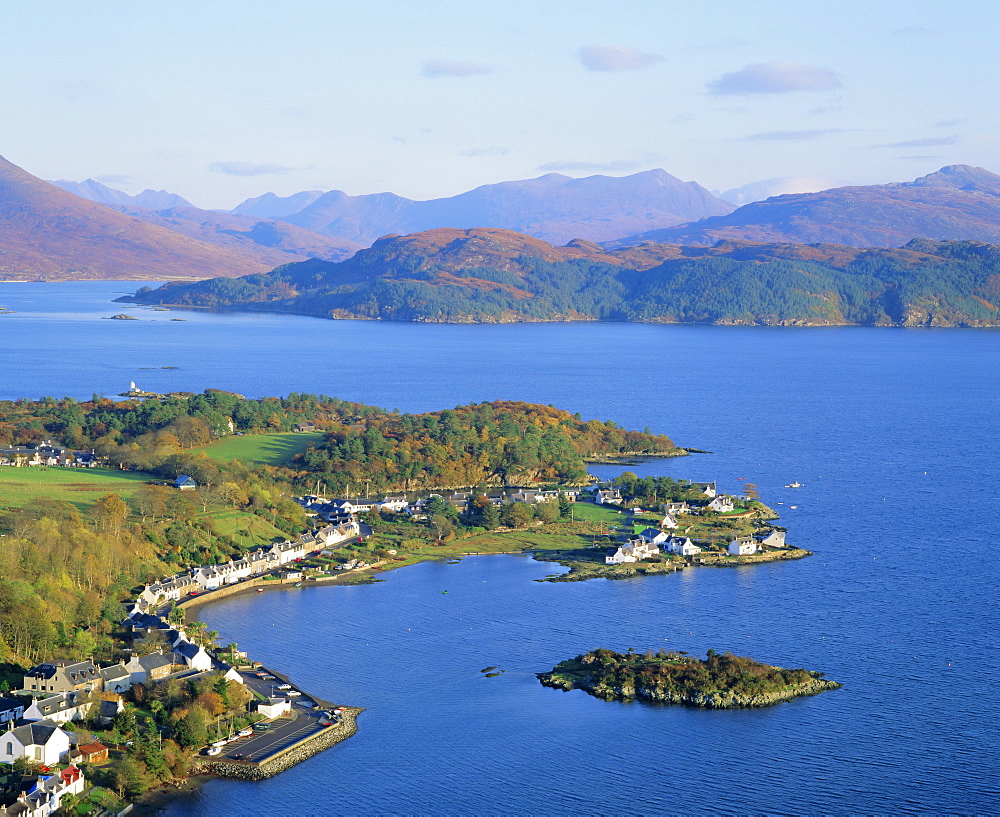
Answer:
[(285, 731)]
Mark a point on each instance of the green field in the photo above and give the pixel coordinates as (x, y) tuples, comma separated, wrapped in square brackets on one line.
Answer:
[(249, 529), (81, 486), (261, 449)]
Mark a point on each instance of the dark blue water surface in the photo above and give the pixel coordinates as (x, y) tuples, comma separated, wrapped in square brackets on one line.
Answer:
[(892, 432)]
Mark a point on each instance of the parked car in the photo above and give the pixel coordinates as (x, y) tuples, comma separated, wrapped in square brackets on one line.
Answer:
[(213, 750), (261, 727), (284, 686), (293, 693)]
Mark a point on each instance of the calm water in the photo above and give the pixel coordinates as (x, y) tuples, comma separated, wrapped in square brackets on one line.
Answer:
[(892, 433)]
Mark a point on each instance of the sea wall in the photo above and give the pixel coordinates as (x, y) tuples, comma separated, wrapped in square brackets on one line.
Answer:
[(286, 758)]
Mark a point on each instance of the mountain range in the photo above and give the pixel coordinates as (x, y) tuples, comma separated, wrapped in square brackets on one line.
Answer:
[(495, 276), (88, 230), (553, 207), (956, 202)]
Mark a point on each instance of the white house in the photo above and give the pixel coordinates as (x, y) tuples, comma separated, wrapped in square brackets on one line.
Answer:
[(682, 546), (743, 546), (675, 508), (772, 538), (208, 577), (635, 550), (42, 741), (395, 504), (116, 678), (654, 536), (11, 709), (721, 504), (668, 522), (275, 707), (608, 497), (62, 707), (707, 488), (45, 796), (192, 656)]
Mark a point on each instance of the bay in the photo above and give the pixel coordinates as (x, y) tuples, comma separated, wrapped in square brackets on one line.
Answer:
[(891, 432)]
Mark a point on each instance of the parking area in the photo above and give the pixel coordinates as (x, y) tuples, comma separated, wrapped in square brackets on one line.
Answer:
[(306, 718)]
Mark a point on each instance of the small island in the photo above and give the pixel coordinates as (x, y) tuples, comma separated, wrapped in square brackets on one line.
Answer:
[(719, 681), (121, 316)]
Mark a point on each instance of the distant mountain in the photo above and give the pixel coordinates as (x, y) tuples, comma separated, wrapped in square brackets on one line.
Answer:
[(95, 191), (552, 207), (493, 276), (264, 240), (956, 202), (271, 206), (48, 233)]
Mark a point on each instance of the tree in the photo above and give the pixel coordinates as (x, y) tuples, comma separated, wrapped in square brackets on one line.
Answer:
[(547, 512), (442, 526), (110, 512), (516, 515), (750, 491), (490, 517)]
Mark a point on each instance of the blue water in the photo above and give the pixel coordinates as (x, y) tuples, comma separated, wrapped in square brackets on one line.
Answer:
[(892, 433)]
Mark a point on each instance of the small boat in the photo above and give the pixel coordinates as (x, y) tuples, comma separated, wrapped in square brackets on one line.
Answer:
[(297, 584), (793, 507), (260, 589), (795, 484)]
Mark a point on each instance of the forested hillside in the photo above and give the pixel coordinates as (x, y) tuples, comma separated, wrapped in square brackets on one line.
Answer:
[(461, 276), (66, 562)]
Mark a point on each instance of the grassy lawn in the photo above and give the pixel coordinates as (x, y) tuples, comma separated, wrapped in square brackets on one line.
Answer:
[(261, 449), (81, 486), (248, 527)]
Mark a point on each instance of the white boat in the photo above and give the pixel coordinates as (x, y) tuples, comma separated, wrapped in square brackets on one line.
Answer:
[(795, 484)]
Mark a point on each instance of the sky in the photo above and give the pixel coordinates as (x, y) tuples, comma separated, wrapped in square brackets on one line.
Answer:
[(220, 100)]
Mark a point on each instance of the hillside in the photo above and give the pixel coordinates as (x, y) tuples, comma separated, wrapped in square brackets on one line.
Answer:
[(482, 275), (958, 202), (552, 207), (48, 233)]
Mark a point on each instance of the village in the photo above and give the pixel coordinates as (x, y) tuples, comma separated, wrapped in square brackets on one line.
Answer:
[(49, 722)]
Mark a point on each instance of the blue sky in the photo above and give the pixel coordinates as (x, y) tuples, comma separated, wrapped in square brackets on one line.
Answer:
[(219, 100)]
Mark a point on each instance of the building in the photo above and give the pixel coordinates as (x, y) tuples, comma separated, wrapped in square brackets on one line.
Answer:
[(721, 504), (116, 678), (62, 707), (45, 795), (63, 676), (43, 741), (654, 536), (743, 546), (707, 488), (191, 655), (773, 538), (668, 522), (274, 707), (635, 550), (610, 496), (11, 710), (185, 483), (682, 546), (91, 753), (147, 668)]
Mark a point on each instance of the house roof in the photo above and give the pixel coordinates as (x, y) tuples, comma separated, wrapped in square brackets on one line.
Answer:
[(154, 660), (35, 734), (114, 672), (92, 748), (187, 649), (10, 704)]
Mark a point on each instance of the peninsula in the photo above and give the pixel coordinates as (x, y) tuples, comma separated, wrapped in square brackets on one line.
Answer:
[(719, 681)]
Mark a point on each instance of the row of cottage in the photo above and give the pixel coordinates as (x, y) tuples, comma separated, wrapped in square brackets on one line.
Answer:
[(254, 563), (653, 541), (47, 453), (415, 504)]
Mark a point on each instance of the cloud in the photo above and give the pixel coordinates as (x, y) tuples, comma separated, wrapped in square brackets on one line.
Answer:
[(758, 191), (620, 164), (454, 68), (947, 123), (615, 58), (475, 152), (114, 178), (248, 169), (789, 135), (775, 78), (922, 143)]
